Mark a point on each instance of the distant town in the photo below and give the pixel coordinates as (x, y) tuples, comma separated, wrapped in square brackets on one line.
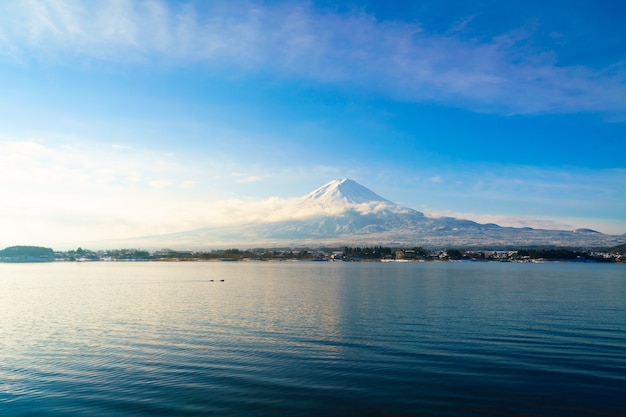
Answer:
[(22, 254)]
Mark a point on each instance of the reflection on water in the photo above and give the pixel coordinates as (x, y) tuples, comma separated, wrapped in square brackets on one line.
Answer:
[(449, 339)]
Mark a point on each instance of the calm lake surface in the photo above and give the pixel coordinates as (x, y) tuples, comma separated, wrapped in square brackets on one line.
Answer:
[(312, 339)]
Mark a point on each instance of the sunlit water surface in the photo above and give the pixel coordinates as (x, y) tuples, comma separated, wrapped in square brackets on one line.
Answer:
[(312, 338)]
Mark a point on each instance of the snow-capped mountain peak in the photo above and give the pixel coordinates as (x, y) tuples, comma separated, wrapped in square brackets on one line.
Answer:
[(341, 192)]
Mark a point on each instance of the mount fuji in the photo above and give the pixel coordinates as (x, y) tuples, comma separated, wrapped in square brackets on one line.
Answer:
[(343, 212)]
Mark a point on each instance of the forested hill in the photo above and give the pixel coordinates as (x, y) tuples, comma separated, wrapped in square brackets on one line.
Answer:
[(619, 249), (21, 251)]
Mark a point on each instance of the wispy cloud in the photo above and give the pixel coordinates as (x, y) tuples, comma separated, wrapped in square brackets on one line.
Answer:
[(249, 178), (162, 183), (355, 50), (275, 209), (188, 184)]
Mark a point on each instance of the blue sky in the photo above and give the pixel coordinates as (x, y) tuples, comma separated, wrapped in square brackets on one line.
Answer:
[(124, 118)]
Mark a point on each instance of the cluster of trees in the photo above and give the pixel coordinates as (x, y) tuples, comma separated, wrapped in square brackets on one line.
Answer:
[(378, 252), (237, 254), (302, 254), (80, 253), (128, 254), (621, 249), (381, 252), (234, 254), (375, 252), (17, 251), (554, 254)]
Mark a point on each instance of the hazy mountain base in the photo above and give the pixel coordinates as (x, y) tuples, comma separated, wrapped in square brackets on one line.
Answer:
[(393, 230)]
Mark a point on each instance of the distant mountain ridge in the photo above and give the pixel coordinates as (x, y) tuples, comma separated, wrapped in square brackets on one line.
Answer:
[(343, 212)]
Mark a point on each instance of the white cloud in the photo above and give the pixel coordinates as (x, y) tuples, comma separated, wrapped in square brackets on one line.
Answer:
[(188, 184), (121, 147), (251, 178), (299, 41), (274, 209), (160, 183)]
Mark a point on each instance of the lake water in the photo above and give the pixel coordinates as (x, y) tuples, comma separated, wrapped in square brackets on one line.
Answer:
[(312, 339)]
